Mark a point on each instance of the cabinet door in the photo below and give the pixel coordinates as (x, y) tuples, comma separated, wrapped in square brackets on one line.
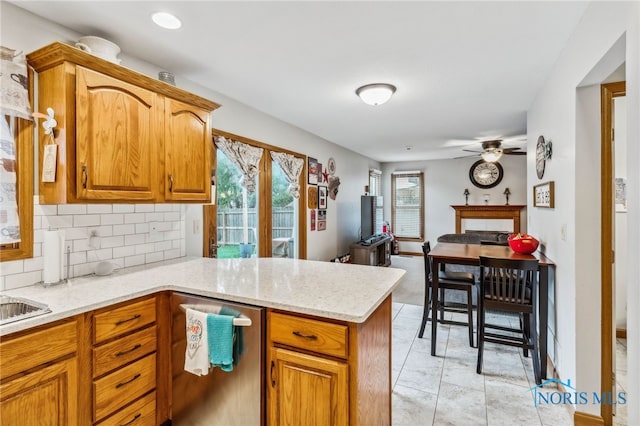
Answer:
[(44, 397), (118, 130), (307, 390), (187, 152)]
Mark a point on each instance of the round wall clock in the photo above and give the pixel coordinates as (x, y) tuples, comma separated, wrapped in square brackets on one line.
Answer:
[(541, 157), (486, 175)]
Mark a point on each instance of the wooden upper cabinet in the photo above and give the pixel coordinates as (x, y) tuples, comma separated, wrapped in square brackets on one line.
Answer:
[(117, 139), (122, 136), (187, 152)]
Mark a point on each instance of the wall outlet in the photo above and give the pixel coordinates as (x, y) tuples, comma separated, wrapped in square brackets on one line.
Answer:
[(563, 232)]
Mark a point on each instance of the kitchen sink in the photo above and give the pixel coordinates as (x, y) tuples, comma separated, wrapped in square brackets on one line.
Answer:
[(17, 308)]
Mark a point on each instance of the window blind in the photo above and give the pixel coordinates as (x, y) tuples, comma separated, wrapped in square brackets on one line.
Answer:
[(407, 205)]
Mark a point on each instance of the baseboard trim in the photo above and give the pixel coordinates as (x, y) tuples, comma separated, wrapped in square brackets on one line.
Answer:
[(409, 253), (621, 333), (584, 419)]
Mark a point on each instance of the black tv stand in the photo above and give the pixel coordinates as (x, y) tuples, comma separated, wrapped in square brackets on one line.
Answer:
[(374, 251)]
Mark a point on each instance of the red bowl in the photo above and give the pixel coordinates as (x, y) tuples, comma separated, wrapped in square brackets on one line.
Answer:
[(523, 243)]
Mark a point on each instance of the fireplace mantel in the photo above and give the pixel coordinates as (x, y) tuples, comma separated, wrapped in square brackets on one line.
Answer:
[(484, 211)]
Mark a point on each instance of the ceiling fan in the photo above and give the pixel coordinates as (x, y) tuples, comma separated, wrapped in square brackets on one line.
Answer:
[(492, 151)]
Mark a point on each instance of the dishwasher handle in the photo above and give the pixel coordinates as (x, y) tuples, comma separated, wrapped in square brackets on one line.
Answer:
[(241, 321)]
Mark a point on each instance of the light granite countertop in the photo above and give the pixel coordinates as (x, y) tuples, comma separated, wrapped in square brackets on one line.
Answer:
[(330, 290)]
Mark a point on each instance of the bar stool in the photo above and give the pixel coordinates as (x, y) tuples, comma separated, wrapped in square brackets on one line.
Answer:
[(461, 281)]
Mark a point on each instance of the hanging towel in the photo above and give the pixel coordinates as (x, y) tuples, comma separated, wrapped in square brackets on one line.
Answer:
[(220, 331), (196, 358), (238, 335)]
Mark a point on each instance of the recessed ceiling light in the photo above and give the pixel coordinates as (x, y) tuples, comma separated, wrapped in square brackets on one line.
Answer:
[(166, 20)]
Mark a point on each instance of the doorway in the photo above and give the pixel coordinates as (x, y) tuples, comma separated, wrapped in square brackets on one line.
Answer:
[(608, 93)]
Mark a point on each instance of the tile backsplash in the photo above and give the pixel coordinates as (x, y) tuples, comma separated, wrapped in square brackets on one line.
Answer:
[(123, 234)]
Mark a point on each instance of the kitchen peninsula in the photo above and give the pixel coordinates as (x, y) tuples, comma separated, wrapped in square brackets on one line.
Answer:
[(323, 296)]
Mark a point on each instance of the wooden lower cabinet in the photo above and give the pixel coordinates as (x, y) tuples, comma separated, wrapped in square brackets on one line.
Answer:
[(327, 372), (310, 390), (39, 376), (44, 397), (124, 360)]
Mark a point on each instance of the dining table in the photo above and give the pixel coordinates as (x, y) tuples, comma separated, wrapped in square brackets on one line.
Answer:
[(469, 254)]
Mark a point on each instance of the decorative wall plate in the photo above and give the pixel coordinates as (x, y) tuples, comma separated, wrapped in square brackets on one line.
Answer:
[(331, 166)]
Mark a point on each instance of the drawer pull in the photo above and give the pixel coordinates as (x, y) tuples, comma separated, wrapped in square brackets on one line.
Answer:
[(136, 417), (305, 336), (135, 317), (121, 384), (129, 350)]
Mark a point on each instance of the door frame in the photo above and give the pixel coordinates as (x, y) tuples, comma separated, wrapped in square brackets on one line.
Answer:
[(608, 91)]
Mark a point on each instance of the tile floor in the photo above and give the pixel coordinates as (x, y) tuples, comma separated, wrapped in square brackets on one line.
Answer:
[(445, 389), (620, 417)]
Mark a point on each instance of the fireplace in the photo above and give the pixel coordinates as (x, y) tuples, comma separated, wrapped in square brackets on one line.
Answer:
[(503, 213)]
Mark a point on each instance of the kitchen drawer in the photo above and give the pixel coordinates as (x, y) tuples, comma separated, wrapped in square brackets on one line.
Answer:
[(123, 386), (119, 352), (140, 413), (313, 335), (118, 321), (36, 348)]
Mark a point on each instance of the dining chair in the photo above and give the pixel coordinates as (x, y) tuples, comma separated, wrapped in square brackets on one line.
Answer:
[(461, 281), (508, 287)]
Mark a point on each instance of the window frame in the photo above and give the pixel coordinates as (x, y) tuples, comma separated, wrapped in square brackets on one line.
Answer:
[(24, 164), (394, 177), (265, 242)]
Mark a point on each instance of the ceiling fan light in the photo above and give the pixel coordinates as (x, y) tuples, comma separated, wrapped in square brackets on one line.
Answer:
[(491, 155), (376, 94)]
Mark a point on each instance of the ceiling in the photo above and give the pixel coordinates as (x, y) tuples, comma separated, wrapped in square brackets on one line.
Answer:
[(464, 71)]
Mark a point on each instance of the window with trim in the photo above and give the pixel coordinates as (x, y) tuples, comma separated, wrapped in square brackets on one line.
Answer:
[(277, 220), (17, 173), (407, 205), (375, 188)]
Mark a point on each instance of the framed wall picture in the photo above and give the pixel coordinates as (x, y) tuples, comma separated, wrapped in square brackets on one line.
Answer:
[(621, 195), (312, 197), (322, 197), (313, 220), (322, 220), (312, 168), (544, 195)]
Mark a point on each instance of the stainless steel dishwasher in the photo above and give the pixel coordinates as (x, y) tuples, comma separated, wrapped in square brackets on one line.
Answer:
[(220, 398)]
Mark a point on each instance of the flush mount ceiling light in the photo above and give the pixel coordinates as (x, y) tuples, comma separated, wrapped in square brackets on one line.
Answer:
[(376, 94), (166, 20), (491, 155)]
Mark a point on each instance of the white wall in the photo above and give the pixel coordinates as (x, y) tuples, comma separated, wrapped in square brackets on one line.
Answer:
[(620, 126), (24, 31), (445, 182), (565, 114)]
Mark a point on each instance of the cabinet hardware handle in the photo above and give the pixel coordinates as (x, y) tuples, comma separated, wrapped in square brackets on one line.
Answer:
[(170, 183), (135, 317), (85, 176), (121, 384), (305, 336), (129, 350), (136, 417), (273, 381)]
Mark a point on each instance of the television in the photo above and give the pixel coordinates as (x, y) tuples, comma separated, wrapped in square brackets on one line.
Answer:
[(370, 223)]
